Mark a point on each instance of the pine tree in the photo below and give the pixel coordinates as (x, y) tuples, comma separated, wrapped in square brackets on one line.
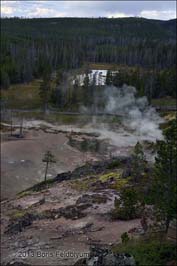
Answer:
[(165, 175), (5, 81), (85, 94), (75, 92), (109, 78), (138, 162), (59, 76), (45, 89)]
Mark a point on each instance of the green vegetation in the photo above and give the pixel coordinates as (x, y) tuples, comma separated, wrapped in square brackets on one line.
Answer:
[(165, 101), (125, 238), (119, 184), (149, 252), (22, 96), (45, 88), (84, 184), (138, 163), (144, 49), (87, 183), (164, 186), (114, 164), (156, 187), (24, 194), (16, 214), (126, 207), (103, 66), (106, 177)]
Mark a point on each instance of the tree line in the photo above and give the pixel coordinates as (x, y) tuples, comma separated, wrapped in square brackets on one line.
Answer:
[(28, 45), (69, 94)]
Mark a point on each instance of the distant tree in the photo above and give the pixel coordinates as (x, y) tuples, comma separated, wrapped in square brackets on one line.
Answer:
[(85, 95), (5, 81), (11, 123), (138, 162), (56, 95), (109, 78), (75, 92), (115, 80), (59, 76), (120, 79), (165, 175), (21, 128), (48, 158), (45, 89)]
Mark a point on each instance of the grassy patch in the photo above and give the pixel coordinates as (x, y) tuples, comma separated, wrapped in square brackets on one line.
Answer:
[(83, 184), (17, 214), (166, 101), (87, 183), (23, 96), (149, 253), (109, 66), (119, 184), (24, 194), (102, 66), (107, 176)]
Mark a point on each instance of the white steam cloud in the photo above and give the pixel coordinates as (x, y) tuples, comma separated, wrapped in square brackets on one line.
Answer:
[(136, 113)]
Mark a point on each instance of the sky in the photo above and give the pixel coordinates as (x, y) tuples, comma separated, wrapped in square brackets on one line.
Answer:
[(163, 10)]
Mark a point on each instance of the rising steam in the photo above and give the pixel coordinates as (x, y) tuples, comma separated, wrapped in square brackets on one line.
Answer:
[(136, 114)]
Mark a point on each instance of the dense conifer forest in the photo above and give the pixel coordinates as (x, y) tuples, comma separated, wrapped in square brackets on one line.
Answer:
[(30, 45)]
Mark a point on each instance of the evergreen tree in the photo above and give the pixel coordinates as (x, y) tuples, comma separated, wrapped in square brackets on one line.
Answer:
[(165, 175), (5, 81), (138, 163), (109, 78), (85, 94), (126, 205), (75, 93), (59, 76), (45, 88), (116, 79)]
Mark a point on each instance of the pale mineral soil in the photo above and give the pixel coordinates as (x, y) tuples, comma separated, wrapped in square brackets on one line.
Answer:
[(52, 236), (21, 159), (41, 242)]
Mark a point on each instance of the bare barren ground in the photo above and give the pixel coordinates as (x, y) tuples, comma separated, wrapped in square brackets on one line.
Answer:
[(21, 160), (43, 241)]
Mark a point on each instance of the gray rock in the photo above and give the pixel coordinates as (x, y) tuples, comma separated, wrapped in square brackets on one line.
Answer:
[(105, 257)]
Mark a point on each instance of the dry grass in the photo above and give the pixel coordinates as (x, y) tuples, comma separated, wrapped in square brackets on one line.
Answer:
[(23, 96), (165, 101)]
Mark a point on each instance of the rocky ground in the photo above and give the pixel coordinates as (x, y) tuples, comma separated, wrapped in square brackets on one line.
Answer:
[(56, 224)]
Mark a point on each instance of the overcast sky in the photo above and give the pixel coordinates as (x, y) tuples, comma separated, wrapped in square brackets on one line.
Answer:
[(149, 9)]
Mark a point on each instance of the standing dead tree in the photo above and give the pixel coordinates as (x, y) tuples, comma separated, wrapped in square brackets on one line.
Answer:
[(48, 158)]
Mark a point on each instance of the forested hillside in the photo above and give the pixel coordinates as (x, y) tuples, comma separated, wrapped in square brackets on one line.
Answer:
[(29, 45)]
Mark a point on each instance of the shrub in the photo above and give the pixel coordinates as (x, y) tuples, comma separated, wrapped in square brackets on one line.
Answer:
[(125, 238), (149, 252), (126, 207)]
